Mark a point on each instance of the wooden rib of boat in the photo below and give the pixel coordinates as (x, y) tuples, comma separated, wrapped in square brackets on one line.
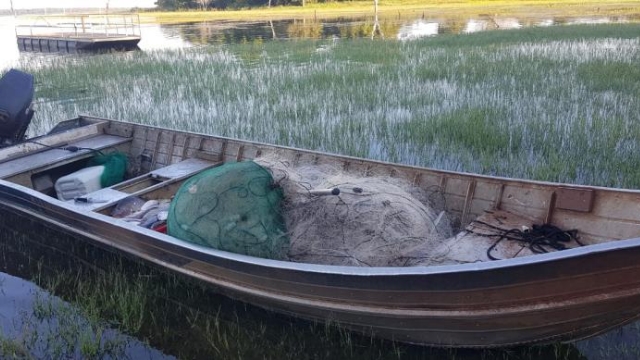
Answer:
[(527, 298)]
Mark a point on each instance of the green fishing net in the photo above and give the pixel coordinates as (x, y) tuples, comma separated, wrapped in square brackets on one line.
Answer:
[(234, 207), (115, 166)]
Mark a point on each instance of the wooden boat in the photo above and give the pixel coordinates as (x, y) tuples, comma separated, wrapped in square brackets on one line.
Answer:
[(523, 298)]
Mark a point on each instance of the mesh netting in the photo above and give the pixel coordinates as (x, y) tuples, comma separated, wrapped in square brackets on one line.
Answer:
[(234, 207), (374, 221), (115, 165)]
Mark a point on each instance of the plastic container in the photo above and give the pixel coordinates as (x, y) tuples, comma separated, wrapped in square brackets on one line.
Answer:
[(79, 183)]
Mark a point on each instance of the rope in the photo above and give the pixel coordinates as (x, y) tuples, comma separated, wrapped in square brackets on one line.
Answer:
[(538, 239), (71, 148)]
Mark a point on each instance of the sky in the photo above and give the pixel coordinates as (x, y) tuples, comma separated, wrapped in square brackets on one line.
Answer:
[(32, 4)]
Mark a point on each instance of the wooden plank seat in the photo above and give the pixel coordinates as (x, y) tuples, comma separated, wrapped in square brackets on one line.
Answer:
[(56, 156), (99, 199)]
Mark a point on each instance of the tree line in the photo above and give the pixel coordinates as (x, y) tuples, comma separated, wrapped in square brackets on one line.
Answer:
[(223, 4)]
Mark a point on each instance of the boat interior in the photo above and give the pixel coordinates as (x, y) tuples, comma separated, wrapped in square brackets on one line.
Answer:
[(483, 209), (160, 160)]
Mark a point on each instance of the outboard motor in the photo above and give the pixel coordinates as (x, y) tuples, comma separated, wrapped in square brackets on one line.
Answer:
[(16, 94)]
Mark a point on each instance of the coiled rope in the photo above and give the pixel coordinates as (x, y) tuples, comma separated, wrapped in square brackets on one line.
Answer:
[(539, 239)]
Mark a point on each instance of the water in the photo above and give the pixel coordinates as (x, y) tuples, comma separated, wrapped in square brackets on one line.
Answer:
[(38, 321)]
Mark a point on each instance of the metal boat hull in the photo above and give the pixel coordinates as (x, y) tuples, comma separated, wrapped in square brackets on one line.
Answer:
[(530, 299)]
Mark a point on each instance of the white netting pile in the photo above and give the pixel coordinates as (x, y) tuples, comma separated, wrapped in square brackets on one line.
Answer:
[(374, 221)]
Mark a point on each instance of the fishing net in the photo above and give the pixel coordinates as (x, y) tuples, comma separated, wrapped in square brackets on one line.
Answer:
[(115, 166), (234, 207), (373, 221)]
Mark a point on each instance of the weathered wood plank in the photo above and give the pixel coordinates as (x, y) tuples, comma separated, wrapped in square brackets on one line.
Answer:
[(613, 229), (55, 157)]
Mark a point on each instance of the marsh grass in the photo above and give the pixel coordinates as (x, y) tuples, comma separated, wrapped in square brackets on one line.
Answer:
[(557, 104)]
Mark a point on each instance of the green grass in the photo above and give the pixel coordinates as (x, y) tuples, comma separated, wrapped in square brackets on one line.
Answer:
[(557, 104), (616, 77)]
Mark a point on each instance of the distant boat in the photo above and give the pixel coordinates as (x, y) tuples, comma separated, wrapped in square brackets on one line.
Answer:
[(71, 33), (524, 298)]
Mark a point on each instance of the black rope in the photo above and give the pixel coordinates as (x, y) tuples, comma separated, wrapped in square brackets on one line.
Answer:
[(71, 148), (538, 239)]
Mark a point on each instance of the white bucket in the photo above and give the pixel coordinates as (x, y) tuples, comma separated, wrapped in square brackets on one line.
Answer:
[(79, 183)]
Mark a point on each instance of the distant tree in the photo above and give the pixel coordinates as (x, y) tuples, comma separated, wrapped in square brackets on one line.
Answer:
[(222, 4), (176, 4), (166, 4), (204, 4)]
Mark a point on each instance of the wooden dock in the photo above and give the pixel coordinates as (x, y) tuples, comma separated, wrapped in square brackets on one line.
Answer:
[(79, 32), (55, 43)]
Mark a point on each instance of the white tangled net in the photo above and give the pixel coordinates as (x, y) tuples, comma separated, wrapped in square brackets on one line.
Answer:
[(374, 221)]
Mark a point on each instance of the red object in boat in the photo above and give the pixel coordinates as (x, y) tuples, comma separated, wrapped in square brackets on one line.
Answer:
[(161, 228)]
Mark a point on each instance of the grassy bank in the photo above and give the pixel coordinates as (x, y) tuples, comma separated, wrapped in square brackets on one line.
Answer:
[(412, 8), (556, 104)]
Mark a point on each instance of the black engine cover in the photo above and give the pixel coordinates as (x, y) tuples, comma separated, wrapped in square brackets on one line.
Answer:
[(16, 94)]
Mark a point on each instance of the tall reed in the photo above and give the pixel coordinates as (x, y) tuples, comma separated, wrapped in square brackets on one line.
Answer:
[(557, 104)]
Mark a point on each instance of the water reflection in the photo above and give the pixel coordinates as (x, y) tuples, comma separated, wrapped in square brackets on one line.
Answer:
[(224, 32), (476, 25), (418, 29), (42, 326), (594, 20), (155, 37)]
